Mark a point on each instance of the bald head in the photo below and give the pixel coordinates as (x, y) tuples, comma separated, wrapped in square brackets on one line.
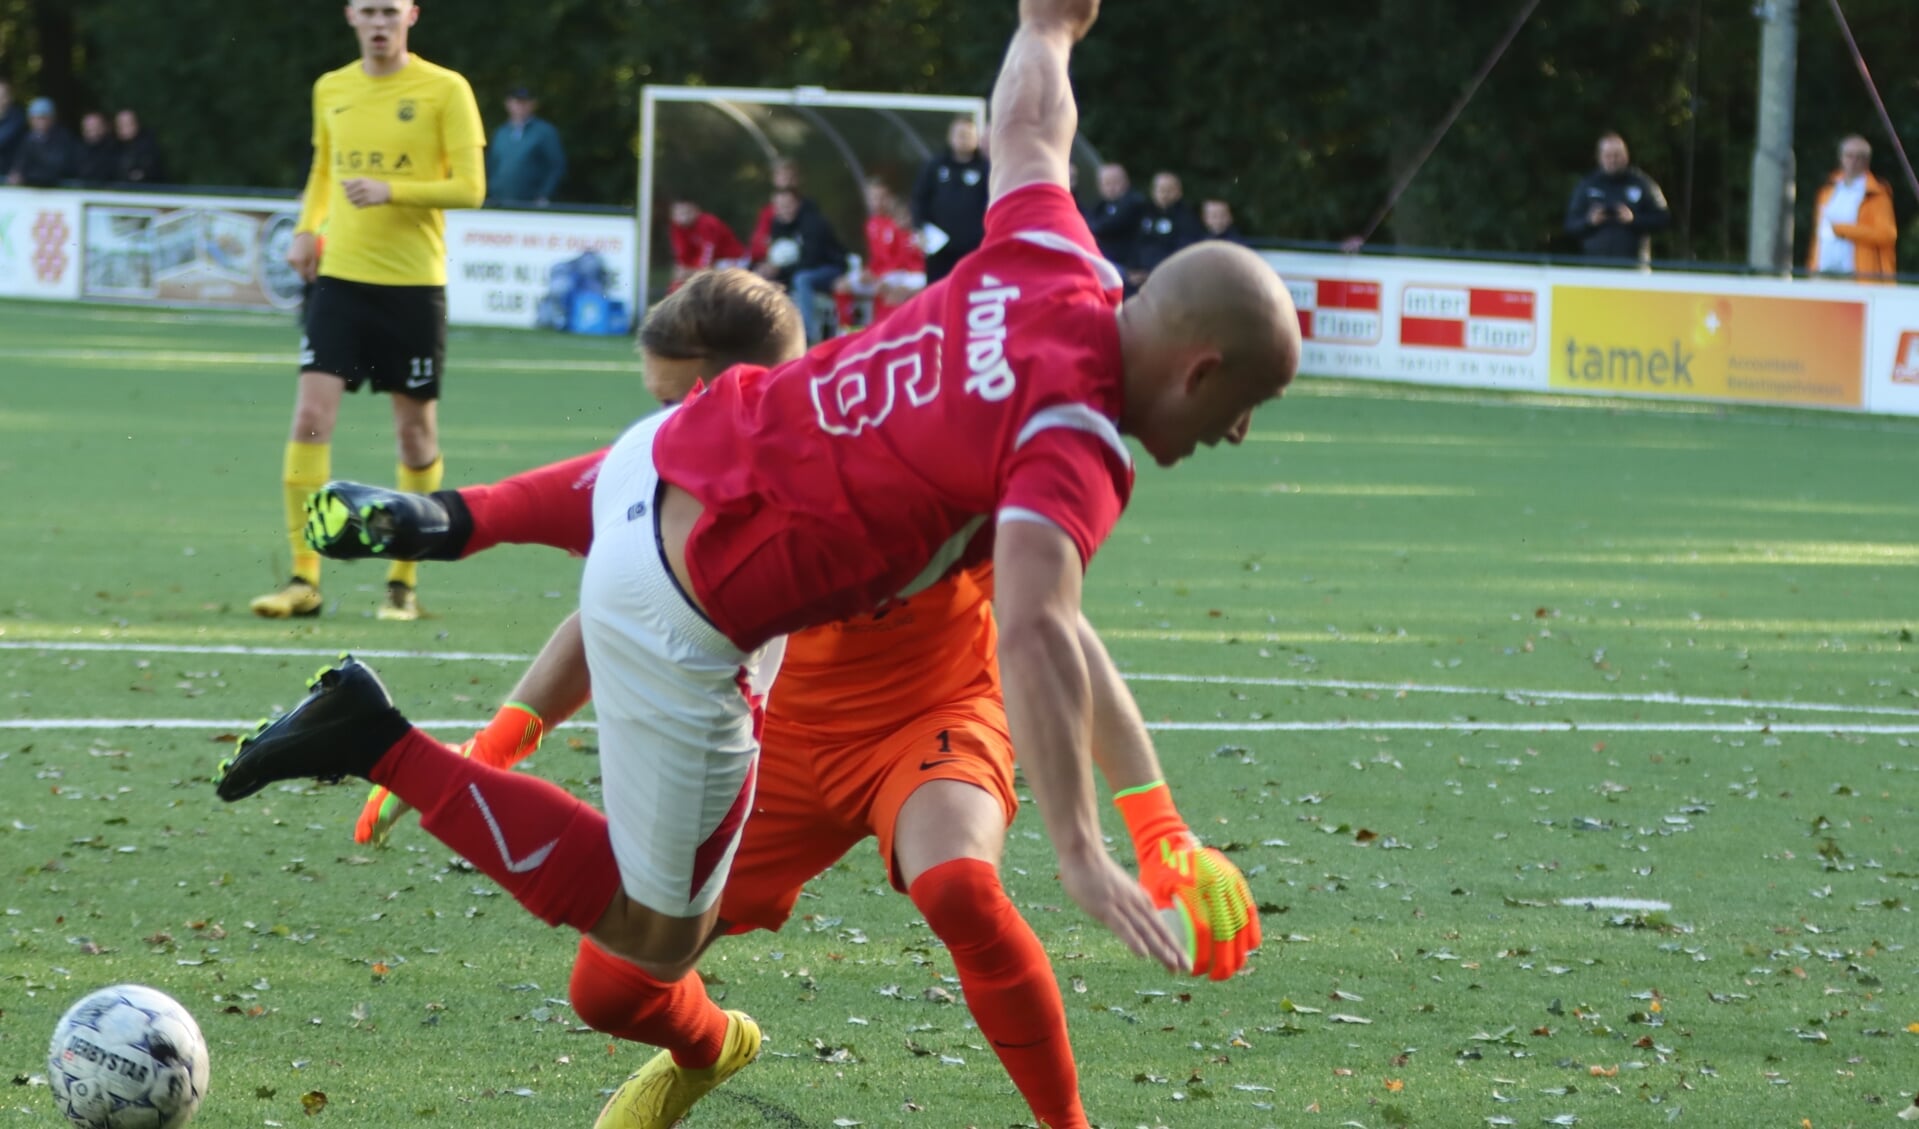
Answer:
[(1211, 336)]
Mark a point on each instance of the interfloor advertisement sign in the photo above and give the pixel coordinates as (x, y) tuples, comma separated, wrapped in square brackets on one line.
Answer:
[(1820, 344)]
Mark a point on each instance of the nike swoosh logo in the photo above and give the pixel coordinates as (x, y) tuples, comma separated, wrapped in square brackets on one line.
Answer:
[(419, 382), (341, 109), (513, 866), (924, 765)]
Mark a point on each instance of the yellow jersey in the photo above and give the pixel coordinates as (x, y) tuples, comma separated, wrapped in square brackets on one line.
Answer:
[(419, 130)]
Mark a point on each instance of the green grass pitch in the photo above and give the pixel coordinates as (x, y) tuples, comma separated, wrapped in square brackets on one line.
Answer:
[(1424, 662)]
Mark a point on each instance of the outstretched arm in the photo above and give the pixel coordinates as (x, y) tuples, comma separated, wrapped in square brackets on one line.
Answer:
[(1049, 707), (1210, 893), (1034, 116)]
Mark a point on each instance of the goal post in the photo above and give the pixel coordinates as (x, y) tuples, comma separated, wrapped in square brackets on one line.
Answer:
[(716, 145)]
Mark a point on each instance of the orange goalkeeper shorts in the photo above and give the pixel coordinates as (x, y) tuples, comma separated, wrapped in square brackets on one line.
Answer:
[(817, 798)]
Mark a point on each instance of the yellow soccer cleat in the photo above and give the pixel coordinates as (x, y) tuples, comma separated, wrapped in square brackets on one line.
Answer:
[(298, 599), (658, 1094), (401, 603)]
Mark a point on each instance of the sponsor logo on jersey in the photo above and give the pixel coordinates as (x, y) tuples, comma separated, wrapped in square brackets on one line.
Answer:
[(356, 160), (990, 377)]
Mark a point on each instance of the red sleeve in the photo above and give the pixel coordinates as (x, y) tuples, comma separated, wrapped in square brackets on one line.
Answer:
[(1072, 479), (911, 258), (726, 245), (762, 240), (683, 251), (1038, 207)]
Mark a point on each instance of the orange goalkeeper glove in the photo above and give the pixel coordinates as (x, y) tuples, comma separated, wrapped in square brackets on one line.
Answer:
[(1199, 883), (512, 736)]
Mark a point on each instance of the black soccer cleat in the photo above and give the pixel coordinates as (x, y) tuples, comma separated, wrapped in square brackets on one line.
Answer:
[(351, 521), (345, 725)]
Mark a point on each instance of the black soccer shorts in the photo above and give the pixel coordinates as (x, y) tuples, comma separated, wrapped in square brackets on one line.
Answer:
[(393, 336)]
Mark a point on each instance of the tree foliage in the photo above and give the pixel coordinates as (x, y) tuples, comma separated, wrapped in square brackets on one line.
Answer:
[(1303, 115)]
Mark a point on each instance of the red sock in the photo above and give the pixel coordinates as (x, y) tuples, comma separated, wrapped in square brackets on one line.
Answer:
[(543, 846), (552, 505), (616, 997), (1008, 982)]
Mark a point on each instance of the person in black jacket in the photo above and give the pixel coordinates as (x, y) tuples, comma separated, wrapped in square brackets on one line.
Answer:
[(806, 256), (1165, 225), (1114, 221), (97, 159), (1616, 208), (13, 127), (47, 153), (1216, 216), (950, 195), (140, 161)]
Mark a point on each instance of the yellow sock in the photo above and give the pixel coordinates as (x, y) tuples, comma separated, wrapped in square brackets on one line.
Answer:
[(416, 480), (307, 468)]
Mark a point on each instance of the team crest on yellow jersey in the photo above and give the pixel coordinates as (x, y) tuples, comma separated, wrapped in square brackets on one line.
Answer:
[(407, 109)]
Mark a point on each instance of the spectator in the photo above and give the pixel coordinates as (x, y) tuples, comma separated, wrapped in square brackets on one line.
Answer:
[(1216, 216), (701, 240), (1853, 231), (47, 153), (13, 127), (804, 255), (895, 267), (1165, 225), (786, 174), (97, 158), (1115, 219), (525, 163), (949, 200), (139, 154), (1616, 208)]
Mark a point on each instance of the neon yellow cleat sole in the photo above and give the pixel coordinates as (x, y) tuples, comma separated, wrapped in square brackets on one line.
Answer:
[(298, 599), (401, 603)]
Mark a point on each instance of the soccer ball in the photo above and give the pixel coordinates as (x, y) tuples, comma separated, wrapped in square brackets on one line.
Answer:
[(128, 1057)]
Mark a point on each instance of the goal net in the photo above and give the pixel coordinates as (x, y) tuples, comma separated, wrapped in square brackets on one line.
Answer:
[(716, 146)]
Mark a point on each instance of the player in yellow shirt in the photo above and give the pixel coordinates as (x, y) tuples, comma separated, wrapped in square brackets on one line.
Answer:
[(396, 140)]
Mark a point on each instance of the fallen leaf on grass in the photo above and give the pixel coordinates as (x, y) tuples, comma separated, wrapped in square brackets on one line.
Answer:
[(313, 1101)]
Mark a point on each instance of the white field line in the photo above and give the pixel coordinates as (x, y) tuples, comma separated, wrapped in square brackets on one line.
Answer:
[(261, 652), (1519, 697), (1525, 697), (1336, 726), (1642, 905)]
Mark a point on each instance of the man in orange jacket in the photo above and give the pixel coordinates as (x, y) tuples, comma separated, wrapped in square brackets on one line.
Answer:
[(1853, 232)]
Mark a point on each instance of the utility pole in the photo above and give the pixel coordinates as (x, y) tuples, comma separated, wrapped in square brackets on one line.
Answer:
[(1769, 234)]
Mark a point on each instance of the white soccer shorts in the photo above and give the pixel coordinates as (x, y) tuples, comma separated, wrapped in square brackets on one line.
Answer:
[(674, 697)]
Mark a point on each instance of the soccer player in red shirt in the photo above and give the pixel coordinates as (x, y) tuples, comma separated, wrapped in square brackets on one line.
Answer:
[(895, 267), (982, 420), (701, 241), (850, 750)]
